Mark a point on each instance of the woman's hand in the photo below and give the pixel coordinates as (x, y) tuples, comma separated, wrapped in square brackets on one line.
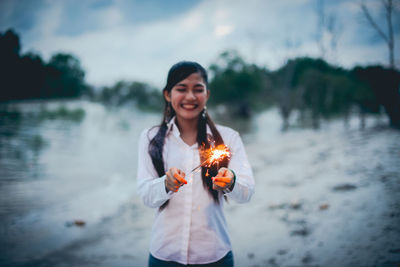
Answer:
[(224, 179), (174, 180)]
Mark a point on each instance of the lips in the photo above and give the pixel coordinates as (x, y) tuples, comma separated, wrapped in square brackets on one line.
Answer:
[(189, 106)]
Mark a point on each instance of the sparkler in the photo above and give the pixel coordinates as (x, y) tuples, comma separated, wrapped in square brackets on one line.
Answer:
[(213, 155)]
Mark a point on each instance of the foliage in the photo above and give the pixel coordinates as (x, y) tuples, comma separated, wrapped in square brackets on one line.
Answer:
[(235, 82), (380, 87), (65, 76), (123, 92), (311, 86), (29, 77)]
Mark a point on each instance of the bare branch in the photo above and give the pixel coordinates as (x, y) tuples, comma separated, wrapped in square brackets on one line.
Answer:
[(389, 9), (373, 24)]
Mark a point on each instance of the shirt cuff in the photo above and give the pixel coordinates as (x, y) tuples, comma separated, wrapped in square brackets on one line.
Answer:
[(161, 190), (242, 191), (232, 186)]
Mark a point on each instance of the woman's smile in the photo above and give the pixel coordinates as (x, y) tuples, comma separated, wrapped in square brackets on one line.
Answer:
[(189, 106)]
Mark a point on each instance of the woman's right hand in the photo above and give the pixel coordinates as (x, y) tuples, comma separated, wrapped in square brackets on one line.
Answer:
[(175, 178)]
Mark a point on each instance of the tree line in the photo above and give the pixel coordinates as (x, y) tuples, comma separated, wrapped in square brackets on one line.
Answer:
[(314, 88), (310, 86), (28, 76)]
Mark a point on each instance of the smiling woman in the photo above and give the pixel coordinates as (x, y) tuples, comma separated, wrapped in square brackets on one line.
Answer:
[(189, 226)]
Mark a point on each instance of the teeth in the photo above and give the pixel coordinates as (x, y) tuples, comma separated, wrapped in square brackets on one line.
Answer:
[(189, 106)]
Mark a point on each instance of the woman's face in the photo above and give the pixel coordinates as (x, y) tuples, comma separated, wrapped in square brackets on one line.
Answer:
[(188, 97)]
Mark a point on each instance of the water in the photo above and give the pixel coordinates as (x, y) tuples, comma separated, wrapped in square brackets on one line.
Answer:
[(325, 197), (60, 170)]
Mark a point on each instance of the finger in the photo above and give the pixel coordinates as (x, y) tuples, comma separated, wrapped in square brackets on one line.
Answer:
[(220, 184), (169, 175), (218, 187), (221, 171), (179, 178), (171, 186), (226, 171), (171, 182), (178, 175), (175, 181), (222, 179), (181, 173)]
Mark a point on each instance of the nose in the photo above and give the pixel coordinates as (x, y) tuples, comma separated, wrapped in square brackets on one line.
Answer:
[(190, 95)]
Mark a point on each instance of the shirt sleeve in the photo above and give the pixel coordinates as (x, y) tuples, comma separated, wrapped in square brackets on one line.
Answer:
[(244, 185), (150, 187)]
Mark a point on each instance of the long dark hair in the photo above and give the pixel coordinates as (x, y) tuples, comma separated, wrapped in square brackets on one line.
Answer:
[(177, 73)]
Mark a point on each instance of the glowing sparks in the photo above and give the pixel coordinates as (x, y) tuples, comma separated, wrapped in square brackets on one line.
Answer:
[(213, 156)]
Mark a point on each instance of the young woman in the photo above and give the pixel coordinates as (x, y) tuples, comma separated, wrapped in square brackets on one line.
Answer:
[(189, 226)]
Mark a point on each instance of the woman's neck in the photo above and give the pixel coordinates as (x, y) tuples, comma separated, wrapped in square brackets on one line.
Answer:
[(188, 130)]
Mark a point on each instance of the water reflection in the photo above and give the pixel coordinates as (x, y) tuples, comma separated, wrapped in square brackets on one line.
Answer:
[(56, 160), (21, 136)]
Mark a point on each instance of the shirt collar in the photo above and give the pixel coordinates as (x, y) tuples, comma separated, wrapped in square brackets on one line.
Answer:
[(172, 127)]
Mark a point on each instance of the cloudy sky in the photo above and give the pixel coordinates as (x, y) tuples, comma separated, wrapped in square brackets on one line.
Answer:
[(140, 40)]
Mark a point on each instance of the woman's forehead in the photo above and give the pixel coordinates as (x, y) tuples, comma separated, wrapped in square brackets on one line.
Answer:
[(194, 78)]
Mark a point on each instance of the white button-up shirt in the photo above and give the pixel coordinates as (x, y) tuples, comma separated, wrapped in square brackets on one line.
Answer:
[(192, 228)]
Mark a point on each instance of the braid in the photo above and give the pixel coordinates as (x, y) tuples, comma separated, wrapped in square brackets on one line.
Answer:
[(156, 150)]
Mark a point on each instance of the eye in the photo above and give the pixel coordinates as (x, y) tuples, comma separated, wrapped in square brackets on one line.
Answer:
[(199, 90), (180, 89)]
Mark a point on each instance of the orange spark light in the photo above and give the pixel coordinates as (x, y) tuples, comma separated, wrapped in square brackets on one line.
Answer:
[(215, 155)]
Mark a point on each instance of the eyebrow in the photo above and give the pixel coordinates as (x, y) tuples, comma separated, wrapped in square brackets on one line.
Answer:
[(197, 84)]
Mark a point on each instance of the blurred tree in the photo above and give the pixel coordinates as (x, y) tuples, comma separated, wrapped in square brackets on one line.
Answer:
[(145, 96), (28, 77), (285, 94), (326, 94), (114, 95), (9, 64), (65, 77), (380, 86), (32, 68), (9, 44), (141, 94), (313, 87), (236, 83)]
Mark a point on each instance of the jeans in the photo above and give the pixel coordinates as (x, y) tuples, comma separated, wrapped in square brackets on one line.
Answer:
[(226, 261)]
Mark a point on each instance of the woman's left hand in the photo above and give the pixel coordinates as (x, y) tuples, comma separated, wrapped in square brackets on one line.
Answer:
[(223, 180)]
